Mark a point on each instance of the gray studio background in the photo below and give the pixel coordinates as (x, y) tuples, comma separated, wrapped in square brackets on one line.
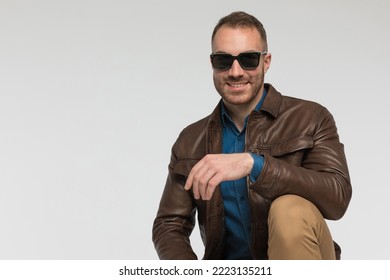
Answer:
[(94, 93)]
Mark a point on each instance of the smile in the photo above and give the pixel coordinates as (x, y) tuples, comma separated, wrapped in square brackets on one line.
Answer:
[(237, 85)]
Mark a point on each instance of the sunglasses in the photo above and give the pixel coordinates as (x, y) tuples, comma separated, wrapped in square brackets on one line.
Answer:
[(247, 60)]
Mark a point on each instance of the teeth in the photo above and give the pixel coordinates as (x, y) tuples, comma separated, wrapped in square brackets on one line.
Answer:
[(237, 85)]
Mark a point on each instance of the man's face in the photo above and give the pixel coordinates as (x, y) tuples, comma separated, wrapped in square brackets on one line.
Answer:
[(236, 85)]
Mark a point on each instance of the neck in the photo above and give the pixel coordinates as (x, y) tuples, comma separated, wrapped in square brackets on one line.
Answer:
[(237, 115)]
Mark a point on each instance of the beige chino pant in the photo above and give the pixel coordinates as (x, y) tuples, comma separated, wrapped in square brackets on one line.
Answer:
[(298, 231)]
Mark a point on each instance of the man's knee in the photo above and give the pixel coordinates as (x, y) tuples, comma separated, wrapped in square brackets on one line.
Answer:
[(297, 230), (290, 215), (293, 208)]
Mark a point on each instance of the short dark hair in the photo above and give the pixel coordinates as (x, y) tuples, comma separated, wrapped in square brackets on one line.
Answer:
[(242, 19)]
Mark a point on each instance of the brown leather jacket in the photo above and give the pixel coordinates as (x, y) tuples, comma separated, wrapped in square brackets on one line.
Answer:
[(302, 156)]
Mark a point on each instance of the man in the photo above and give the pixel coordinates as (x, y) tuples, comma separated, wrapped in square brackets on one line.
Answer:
[(263, 171)]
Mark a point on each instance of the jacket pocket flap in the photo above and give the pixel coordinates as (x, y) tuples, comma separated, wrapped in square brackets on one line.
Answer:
[(291, 145), (184, 166)]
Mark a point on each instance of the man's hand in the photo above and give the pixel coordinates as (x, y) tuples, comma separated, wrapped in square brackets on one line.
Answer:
[(213, 169)]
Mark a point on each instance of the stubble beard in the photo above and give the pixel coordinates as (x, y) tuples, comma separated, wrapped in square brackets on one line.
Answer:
[(246, 97)]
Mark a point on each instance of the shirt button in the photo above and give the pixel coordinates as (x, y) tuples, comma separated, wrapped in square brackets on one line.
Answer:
[(239, 138), (242, 198)]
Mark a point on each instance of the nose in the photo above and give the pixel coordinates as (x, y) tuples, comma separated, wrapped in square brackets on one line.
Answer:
[(236, 69)]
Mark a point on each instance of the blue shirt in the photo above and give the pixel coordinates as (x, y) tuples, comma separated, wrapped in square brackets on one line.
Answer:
[(235, 193)]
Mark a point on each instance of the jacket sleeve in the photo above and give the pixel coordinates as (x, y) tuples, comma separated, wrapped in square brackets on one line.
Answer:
[(323, 177), (175, 218)]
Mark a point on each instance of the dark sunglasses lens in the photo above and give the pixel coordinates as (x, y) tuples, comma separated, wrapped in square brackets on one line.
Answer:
[(222, 61), (249, 60)]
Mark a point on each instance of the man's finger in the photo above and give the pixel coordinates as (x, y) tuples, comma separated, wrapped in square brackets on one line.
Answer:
[(190, 178)]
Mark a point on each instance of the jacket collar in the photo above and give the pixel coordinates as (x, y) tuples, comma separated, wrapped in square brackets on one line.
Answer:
[(272, 101)]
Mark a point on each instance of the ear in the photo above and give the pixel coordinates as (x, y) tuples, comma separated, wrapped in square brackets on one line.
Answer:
[(267, 62)]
